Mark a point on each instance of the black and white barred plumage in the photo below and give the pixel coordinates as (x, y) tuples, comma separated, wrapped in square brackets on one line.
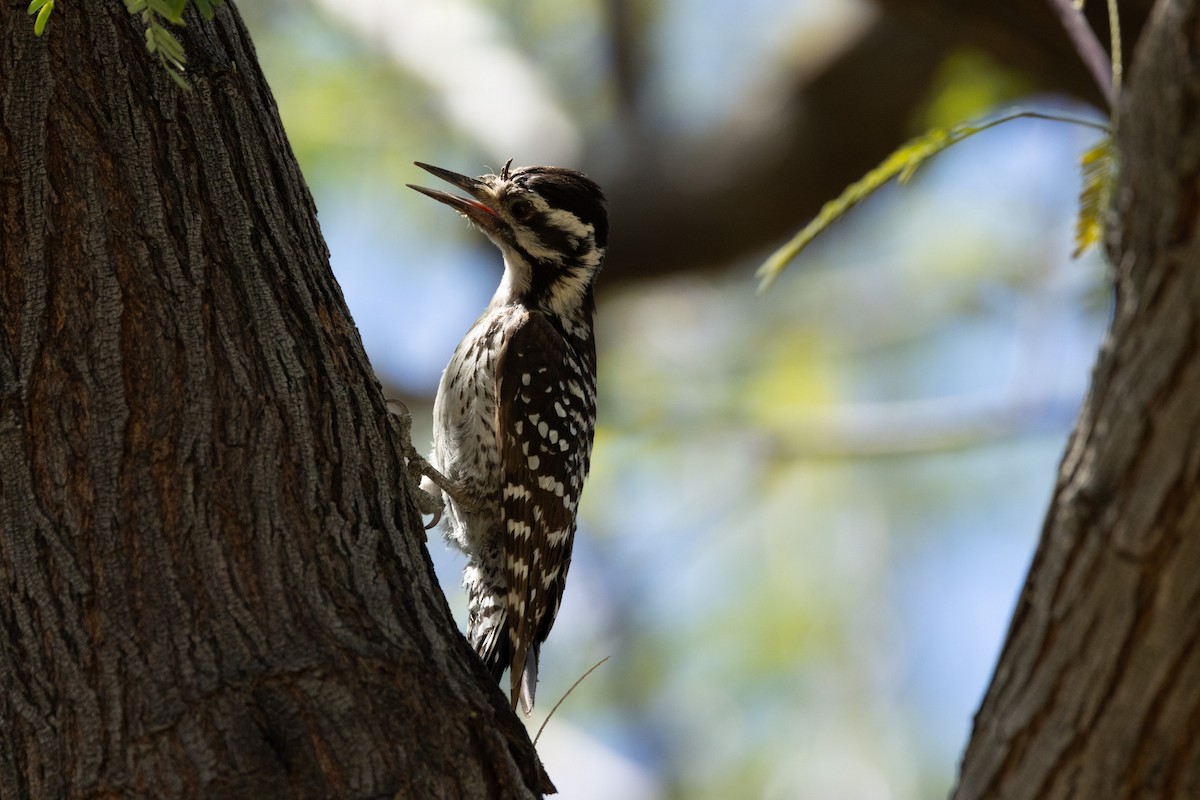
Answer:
[(516, 408)]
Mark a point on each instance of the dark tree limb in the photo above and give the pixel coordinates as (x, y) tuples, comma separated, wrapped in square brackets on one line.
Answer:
[(1028, 35), (688, 206), (213, 579), (1097, 692), (700, 205)]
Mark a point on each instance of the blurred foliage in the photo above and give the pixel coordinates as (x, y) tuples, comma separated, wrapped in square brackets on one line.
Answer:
[(565, 40), (770, 565), (969, 85), (809, 511), (345, 107), (1098, 176)]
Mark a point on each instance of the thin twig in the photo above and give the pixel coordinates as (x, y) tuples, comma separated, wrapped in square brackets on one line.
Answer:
[(1067, 118), (1091, 52), (1114, 27), (542, 727)]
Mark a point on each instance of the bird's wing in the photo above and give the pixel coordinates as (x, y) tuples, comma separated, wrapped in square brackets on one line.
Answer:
[(545, 405)]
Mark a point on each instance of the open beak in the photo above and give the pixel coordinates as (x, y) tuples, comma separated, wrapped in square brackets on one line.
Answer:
[(473, 208)]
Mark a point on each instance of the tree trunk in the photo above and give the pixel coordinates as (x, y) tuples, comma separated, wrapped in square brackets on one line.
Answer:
[(1097, 693), (213, 580)]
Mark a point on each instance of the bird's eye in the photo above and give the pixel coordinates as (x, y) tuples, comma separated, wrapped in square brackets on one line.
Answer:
[(521, 210)]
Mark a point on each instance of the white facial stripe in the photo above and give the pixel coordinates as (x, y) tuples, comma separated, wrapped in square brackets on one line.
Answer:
[(566, 221), (533, 245)]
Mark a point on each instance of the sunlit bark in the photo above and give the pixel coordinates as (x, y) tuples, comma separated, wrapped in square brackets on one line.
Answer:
[(1097, 693)]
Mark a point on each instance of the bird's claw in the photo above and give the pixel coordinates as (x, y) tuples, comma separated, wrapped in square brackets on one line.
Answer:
[(428, 503)]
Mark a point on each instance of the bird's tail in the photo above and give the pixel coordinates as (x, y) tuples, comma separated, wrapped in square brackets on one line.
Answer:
[(524, 685), (488, 631)]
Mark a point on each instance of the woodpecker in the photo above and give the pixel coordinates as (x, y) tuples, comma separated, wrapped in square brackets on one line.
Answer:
[(515, 410)]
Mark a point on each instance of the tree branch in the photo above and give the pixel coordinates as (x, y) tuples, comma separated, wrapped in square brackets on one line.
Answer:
[(1095, 692), (748, 187)]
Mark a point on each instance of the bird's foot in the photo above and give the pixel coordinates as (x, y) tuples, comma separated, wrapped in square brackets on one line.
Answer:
[(428, 503)]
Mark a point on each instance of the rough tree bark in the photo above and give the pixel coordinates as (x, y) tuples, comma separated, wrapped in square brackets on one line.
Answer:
[(213, 581), (1097, 692)]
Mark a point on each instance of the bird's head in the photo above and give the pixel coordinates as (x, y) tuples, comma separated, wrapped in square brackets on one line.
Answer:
[(549, 222)]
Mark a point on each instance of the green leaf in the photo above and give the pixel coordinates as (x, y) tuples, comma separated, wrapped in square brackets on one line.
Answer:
[(900, 165), (171, 10), (161, 40), (39, 24), (36, 5), (1097, 166), (208, 7), (180, 81)]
